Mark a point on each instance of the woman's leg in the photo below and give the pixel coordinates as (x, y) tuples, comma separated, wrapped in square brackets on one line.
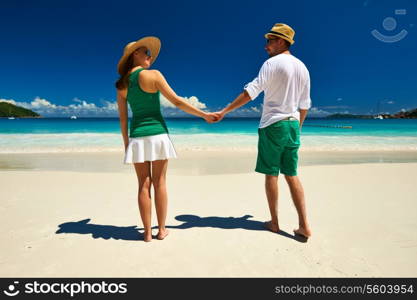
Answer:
[(159, 169), (143, 172)]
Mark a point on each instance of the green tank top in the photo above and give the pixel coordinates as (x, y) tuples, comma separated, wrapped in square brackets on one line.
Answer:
[(146, 109)]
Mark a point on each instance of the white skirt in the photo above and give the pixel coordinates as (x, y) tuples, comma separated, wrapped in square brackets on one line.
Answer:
[(149, 148)]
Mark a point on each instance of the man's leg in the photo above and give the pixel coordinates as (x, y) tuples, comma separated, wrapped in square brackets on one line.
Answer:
[(271, 189), (268, 163), (297, 194), (289, 165)]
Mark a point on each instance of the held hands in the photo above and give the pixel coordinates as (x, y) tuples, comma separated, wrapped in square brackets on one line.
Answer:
[(210, 117), (220, 115), (214, 117)]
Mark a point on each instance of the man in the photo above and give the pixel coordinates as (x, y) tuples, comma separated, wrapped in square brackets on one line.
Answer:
[(285, 81)]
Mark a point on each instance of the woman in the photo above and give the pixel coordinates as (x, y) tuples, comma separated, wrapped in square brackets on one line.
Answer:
[(148, 145)]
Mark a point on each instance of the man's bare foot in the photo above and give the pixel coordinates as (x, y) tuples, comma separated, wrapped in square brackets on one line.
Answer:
[(271, 226), (162, 234), (147, 236), (303, 232)]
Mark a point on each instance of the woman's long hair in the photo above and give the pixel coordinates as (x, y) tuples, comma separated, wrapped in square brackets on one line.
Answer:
[(123, 82)]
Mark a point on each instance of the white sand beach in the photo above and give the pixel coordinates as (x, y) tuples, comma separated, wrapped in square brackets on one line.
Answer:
[(64, 223)]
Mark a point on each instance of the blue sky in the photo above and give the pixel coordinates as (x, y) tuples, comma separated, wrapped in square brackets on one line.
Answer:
[(60, 57)]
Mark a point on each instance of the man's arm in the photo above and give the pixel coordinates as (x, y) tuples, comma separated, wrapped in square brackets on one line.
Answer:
[(240, 100), (250, 92), (305, 102), (303, 114)]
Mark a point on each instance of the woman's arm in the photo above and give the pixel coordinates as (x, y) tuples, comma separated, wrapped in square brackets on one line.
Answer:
[(122, 105), (163, 86)]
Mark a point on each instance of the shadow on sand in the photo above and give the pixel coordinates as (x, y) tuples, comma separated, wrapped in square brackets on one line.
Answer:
[(191, 221), (131, 233)]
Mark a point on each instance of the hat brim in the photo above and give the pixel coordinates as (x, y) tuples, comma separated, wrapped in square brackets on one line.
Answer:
[(280, 36), (152, 43)]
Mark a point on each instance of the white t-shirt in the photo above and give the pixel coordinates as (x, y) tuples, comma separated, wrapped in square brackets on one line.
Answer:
[(286, 83)]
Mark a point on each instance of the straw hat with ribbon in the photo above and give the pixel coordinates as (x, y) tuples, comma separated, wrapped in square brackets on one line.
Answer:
[(283, 31), (153, 44)]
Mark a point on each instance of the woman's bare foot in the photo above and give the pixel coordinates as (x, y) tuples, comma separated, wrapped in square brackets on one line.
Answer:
[(271, 226), (147, 236), (304, 232), (162, 234)]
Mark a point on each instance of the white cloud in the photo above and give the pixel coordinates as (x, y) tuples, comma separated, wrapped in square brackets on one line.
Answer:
[(193, 100), (339, 99), (41, 103), (317, 113), (110, 105), (11, 101), (83, 105), (83, 108), (390, 102), (170, 110)]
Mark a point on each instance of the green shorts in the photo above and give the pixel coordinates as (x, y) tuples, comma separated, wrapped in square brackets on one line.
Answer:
[(278, 148)]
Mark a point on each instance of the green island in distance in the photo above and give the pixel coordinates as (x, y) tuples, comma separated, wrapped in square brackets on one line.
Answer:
[(410, 114), (8, 110)]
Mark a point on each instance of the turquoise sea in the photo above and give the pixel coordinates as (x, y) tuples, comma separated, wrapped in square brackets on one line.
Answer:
[(103, 134)]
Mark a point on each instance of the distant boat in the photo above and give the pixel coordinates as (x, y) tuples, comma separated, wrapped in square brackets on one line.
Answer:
[(379, 117), (11, 118), (73, 117)]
